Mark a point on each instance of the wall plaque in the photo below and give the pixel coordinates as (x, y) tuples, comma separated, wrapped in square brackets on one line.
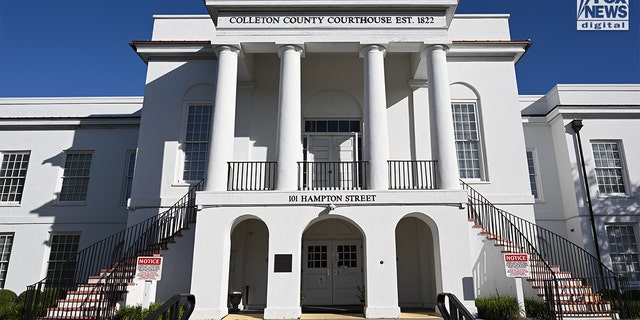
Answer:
[(282, 263)]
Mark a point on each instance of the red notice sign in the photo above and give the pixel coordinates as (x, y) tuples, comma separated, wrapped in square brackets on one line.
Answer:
[(516, 265), (149, 269)]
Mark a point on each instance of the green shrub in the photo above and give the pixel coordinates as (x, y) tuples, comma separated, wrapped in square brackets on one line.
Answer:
[(7, 297), (498, 308), (11, 307), (135, 312), (536, 309)]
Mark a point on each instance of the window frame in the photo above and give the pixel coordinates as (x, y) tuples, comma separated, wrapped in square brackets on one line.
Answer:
[(182, 154), (64, 176), (482, 170), (622, 168), (4, 263), (536, 174), (129, 172), (634, 232), (66, 254), (23, 179)]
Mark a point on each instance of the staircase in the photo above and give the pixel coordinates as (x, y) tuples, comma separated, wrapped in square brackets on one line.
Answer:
[(572, 282), (91, 284)]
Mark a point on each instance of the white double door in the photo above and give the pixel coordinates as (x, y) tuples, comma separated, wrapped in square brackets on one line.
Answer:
[(331, 272), (334, 160)]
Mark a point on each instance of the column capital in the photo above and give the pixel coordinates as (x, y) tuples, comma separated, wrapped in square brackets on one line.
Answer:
[(227, 48), (432, 47), (370, 47), (418, 83), (289, 47)]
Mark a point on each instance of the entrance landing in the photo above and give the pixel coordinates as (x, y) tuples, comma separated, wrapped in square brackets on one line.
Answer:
[(417, 314)]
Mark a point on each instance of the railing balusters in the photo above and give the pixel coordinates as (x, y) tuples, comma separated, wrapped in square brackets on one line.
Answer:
[(114, 253), (323, 175), (552, 249), (251, 175), (412, 174)]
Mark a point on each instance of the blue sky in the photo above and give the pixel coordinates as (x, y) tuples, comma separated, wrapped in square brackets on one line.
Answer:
[(81, 48)]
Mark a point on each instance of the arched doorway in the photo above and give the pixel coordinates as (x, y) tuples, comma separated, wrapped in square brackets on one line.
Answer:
[(248, 265), (415, 263), (332, 263)]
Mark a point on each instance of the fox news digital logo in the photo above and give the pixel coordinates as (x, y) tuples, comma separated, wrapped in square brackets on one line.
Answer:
[(603, 14)]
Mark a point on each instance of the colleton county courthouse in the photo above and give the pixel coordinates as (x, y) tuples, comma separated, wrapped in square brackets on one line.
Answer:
[(343, 144)]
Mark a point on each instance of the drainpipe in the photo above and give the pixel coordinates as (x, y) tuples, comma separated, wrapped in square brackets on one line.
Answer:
[(576, 125)]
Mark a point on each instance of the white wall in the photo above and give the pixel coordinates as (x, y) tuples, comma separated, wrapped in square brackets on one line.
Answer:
[(46, 128)]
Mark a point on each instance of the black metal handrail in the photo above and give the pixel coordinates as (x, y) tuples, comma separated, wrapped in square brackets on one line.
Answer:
[(412, 174), (456, 310), (549, 250), (332, 175), (252, 175), (110, 263), (179, 307)]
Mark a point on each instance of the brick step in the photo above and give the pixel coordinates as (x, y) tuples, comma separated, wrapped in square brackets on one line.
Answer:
[(73, 318), (584, 307), (561, 282), (101, 279), (76, 303), (57, 313), (547, 275), (75, 295), (586, 298)]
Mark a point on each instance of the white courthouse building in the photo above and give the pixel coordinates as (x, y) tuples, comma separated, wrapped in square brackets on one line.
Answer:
[(344, 146)]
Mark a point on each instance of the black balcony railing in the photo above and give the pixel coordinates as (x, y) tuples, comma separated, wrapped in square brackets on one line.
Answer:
[(573, 281), (252, 176), (412, 174), (110, 263), (347, 175)]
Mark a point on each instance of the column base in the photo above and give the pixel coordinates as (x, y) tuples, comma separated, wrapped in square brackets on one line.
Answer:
[(282, 313), (382, 312), (206, 314)]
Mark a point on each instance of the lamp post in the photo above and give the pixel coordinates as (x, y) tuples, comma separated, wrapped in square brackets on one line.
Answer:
[(576, 125)]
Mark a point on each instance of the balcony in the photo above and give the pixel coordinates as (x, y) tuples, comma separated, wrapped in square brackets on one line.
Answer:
[(345, 175), (252, 176), (412, 174)]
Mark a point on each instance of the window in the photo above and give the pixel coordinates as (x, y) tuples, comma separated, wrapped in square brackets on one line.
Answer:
[(196, 143), (533, 175), (13, 172), (332, 126), (608, 164), (6, 241), (317, 257), (623, 250), (75, 179), (63, 247), (129, 167), (467, 140)]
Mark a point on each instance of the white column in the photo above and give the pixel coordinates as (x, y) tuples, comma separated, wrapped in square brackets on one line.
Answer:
[(376, 138), (224, 113), (440, 103), (289, 144)]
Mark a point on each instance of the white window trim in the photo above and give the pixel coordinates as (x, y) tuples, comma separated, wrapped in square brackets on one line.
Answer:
[(635, 233), (123, 193), (484, 172), (625, 175), (16, 203), (13, 240), (180, 156), (61, 203), (536, 167), (45, 266)]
